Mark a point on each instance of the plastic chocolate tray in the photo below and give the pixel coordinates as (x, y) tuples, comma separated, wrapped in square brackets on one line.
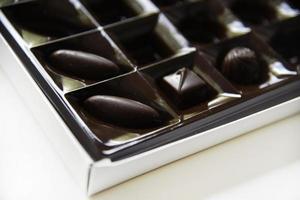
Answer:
[(131, 75)]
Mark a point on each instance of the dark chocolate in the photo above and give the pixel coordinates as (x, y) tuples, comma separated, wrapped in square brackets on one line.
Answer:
[(254, 12), (243, 66), (83, 65), (122, 111), (185, 88)]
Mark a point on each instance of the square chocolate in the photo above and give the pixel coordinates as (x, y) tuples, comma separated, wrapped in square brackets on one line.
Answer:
[(185, 88)]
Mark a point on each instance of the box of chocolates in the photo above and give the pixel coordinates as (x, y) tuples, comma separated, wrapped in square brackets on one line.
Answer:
[(122, 87)]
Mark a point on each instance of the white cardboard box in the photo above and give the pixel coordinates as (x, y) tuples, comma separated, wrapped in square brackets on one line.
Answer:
[(94, 176)]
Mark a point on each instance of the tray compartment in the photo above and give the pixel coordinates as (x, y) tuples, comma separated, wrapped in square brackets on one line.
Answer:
[(271, 68), (205, 22), (95, 43), (41, 21), (131, 87), (149, 40)]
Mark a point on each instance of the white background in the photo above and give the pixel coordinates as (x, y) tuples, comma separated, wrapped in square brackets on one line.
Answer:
[(264, 164)]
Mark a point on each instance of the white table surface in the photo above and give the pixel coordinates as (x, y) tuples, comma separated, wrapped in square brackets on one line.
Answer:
[(264, 164)]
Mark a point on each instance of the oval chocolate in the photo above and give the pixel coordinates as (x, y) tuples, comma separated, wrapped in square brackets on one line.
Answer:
[(122, 111), (83, 65)]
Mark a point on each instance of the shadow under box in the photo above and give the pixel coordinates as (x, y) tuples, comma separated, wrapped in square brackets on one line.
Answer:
[(249, 64), (122, 110), (205, 22), (82, 60), (266, 11), (190, 85), (42, 21)]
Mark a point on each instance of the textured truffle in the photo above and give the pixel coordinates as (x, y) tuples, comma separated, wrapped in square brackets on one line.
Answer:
[(242, 66)]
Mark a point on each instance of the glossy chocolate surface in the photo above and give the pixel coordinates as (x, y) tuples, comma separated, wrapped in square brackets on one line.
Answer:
[(122, 111), (243, 66), (185, 88), (80, 61), (83, 65)]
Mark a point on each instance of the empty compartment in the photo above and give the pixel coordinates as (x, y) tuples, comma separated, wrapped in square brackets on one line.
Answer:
[(122, 110), (191, 86), (148, 40), (83, 60), (205, 22), (249, 64), (41, 21), (284, 38), (262, 12), (254, 12)]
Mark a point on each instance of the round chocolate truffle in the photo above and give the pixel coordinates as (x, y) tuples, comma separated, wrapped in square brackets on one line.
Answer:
[(243, 66)]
